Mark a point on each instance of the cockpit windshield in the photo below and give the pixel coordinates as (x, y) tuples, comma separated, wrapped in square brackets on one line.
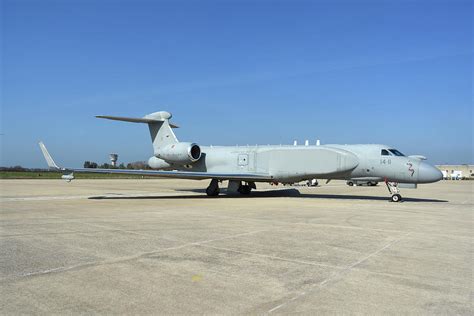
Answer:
[(396, 152)]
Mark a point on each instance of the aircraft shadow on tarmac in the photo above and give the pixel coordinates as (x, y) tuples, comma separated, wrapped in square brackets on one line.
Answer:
[(259, 194)]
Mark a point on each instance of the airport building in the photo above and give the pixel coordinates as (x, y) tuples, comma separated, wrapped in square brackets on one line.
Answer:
[(457, 172)]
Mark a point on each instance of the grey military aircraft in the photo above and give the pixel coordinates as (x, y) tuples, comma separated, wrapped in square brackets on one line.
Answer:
[(243, 166)]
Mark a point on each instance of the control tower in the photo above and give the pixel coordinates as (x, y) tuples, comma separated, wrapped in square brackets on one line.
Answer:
[(113, 159)]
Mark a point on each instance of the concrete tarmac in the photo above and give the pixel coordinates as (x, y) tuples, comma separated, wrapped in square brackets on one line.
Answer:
[(163, 247)]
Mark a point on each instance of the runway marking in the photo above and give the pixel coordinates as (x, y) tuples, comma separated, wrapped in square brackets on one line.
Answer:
[(124, 259), (274, 257), (339, 274)]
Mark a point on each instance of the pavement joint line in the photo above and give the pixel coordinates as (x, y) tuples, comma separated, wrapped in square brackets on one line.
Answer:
[(105, 195), (339, 274), (109, 230), (273, 257), (338, 226), (43, 198), (74, 197), (125, 259), (112, 229), (304, 262), (124, 231), (63, 233)]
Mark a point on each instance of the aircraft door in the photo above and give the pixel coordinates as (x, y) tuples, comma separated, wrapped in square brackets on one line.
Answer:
[(243, 161), (246, 161)]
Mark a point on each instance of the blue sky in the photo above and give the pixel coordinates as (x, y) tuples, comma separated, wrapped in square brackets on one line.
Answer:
[(235, 72)]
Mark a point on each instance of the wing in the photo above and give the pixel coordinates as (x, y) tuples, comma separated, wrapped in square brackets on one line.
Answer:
[(157, 173), (179, 174)]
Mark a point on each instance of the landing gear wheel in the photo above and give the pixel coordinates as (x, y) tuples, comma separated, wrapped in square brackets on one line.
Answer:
[(394, 191), (245, 189), (213, 188), (350, 183), (396, 198), (212, 192)]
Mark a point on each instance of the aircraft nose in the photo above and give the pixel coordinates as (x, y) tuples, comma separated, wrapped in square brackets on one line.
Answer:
[(428, 173)]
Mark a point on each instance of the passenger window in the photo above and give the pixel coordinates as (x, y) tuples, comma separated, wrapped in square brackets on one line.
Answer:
[(385, 152)]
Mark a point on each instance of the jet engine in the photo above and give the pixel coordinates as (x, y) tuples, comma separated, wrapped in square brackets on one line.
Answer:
[(181, 153)]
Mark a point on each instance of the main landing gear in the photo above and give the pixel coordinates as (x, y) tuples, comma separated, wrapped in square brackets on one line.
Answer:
[(233, 188), (213, 188), (394, 191), (245, 189)]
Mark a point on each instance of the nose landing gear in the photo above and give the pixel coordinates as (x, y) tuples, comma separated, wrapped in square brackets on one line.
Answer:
[(394, 191), (396, 198)]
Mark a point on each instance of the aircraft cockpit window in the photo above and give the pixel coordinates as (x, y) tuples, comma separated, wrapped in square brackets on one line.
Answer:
[(396, 152), (385, 152)]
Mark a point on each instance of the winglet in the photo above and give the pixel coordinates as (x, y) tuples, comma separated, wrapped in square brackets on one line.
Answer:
[(47, 157)]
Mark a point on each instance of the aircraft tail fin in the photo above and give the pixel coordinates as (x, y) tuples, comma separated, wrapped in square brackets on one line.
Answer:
[(160, 128)]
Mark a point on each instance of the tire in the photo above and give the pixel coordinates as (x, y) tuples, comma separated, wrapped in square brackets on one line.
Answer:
[(245, 189), (350, 183), (212, 192), (396, 198)]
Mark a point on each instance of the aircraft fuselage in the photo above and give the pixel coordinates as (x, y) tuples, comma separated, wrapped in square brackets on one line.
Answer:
[(297, 163)]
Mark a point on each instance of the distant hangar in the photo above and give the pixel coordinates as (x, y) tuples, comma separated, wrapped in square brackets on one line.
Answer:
[(457, 172)]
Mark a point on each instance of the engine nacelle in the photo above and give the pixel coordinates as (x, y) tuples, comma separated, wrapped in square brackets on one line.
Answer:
[(157, 163), (181, 153)]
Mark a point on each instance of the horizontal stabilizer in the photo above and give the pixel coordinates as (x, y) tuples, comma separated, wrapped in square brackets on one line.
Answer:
[(128, 119), (150, 118)]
